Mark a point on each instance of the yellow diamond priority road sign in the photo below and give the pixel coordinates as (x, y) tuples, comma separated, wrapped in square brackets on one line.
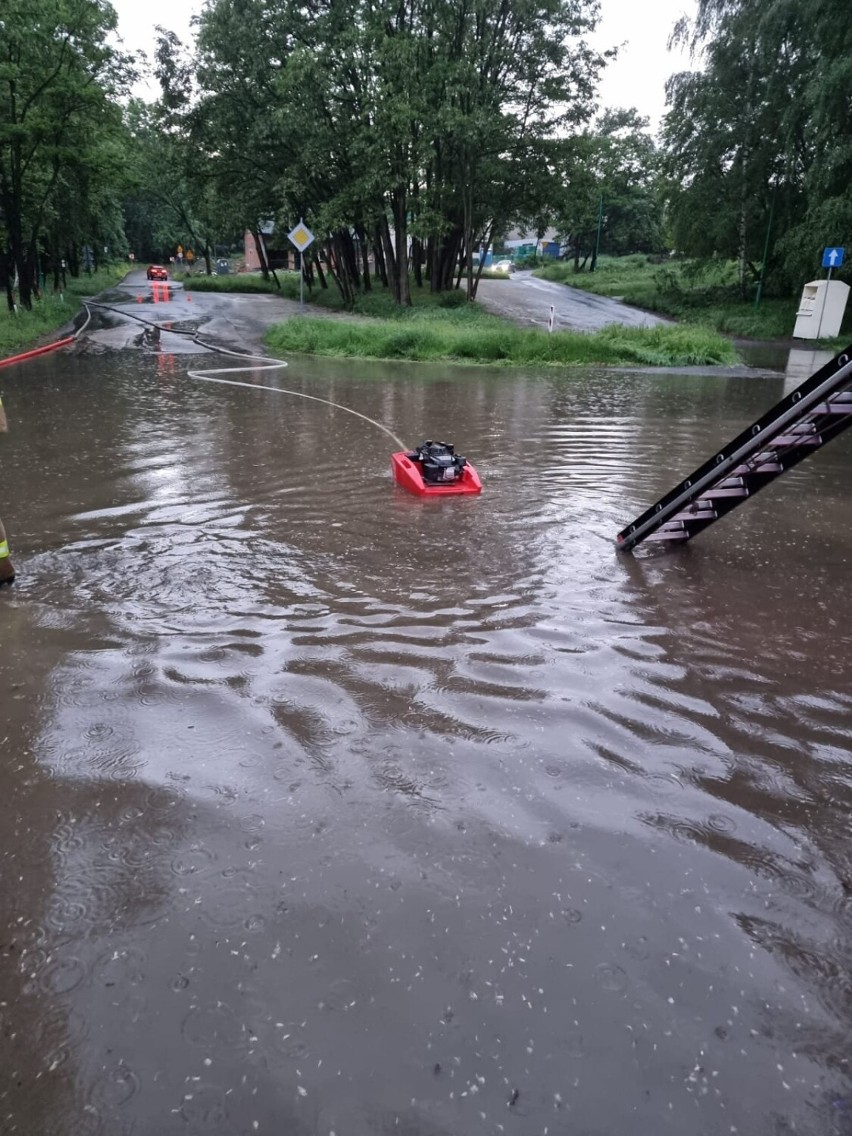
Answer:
[(301, 236)]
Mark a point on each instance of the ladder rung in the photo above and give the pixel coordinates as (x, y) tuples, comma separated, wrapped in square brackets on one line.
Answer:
[(705, 514), (709, 494), (833, 406), (660, 535), (761, 467), (797, 440)]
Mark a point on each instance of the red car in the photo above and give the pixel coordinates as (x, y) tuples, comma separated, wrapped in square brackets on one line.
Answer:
[(157, 272)]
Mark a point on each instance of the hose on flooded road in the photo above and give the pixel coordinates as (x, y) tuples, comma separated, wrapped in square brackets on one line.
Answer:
[(206, 375)]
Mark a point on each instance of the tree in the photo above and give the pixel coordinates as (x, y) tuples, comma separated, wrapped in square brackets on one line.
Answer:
[(58, 76), (611, 171), (826, 219), (392, 125), (739, 135)]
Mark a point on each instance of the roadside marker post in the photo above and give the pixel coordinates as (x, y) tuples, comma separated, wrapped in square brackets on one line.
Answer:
[(550, 320)]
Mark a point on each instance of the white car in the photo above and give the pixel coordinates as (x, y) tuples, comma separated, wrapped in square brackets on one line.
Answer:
[(504, 265)]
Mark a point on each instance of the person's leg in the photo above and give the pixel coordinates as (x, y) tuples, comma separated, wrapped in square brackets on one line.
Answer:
[(7, 570)]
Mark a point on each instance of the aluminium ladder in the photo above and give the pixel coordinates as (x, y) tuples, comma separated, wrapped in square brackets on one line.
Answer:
[(802, 422)]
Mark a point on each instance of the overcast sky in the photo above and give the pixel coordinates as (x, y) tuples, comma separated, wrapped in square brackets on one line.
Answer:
[(636, 79)]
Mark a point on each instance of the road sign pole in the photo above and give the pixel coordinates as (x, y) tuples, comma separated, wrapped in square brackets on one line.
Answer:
[(765, 251), (822, 309), (302, 237)]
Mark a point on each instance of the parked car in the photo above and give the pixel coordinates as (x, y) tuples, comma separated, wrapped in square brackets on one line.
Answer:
[(504, 265), (157, 272)]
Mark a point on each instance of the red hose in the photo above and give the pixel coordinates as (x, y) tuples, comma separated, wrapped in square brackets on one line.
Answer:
[(36, 351)]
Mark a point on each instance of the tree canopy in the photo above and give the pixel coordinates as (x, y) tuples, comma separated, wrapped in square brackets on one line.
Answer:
[(410, 134), (61, 168), (763, 131)]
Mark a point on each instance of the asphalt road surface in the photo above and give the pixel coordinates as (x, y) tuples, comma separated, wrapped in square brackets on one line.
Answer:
[(527, 300), (227, 319)]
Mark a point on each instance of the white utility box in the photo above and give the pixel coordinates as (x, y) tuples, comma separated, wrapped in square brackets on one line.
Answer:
[(821, 309)]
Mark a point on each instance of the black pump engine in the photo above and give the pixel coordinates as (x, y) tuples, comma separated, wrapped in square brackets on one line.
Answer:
[(439, 463)]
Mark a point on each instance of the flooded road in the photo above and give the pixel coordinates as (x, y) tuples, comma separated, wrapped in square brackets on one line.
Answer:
[(331, 810)]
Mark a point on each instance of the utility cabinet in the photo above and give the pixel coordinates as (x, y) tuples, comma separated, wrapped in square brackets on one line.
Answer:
[(821, 309)]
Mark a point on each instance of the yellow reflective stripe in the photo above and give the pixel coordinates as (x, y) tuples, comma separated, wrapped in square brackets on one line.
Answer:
[(4, 549)]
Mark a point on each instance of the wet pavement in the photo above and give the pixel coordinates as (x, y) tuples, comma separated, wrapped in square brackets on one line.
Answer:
[(332, 810), (526, 299), (123, 318)]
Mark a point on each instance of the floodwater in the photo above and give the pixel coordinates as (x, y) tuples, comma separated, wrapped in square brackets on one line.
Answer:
[(330, 810)]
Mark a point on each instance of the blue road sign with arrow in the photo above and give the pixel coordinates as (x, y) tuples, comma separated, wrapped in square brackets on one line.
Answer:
[(833, 257)]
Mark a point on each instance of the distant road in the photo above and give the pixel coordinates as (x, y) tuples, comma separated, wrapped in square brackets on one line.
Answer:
[(526, 300)]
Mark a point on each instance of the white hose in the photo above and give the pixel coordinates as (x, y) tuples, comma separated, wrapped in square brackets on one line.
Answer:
[(206, 375)]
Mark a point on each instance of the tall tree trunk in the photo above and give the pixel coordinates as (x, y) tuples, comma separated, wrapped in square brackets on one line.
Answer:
[(417, 260), (468, 235), (400, 224), (487, 239), (416, 243), (315, 263), (7, 272), (261, 252), (336, 260), (390, 259), (381, 267), (366, 283), (16, 248), (743, 162)]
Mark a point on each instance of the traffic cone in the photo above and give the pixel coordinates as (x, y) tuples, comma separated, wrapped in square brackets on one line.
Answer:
[(7, 570)]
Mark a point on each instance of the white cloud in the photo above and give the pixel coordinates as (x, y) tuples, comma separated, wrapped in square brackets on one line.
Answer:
[(137, 23), (637, 78)]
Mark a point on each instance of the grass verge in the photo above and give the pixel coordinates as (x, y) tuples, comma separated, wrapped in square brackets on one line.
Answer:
[(369, 303), (697, 293), (244, 282), (19, 332), (490, 341)]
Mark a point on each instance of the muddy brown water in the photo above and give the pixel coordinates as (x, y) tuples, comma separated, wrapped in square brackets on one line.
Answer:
[(330, 810)]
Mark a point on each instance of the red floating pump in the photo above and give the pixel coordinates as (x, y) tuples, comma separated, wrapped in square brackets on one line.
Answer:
[(434, 469)]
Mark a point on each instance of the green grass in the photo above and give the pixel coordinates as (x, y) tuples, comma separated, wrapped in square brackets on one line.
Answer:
[(700, 294), (26, 329), (323, 297), (489, 340)]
